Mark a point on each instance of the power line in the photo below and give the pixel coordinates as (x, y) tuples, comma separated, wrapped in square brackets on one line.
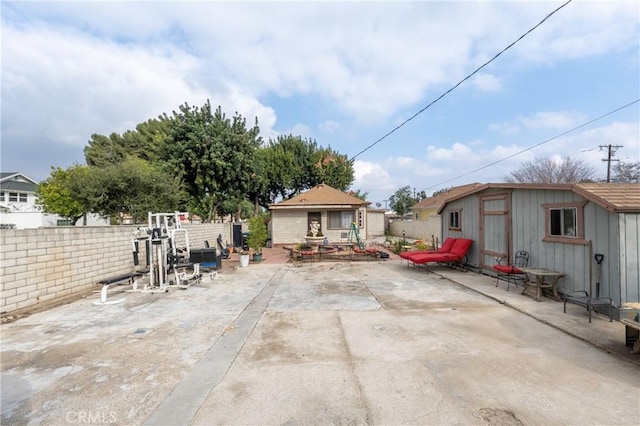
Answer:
[(460, 82), (537, 145)]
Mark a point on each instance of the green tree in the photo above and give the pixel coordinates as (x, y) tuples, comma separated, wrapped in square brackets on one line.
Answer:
[(64, 192), (359, 194), (401, 201), (332, 168), (293, 164), (548, 170), (627, 172), (145, 142), (134, 187), (213, 155)]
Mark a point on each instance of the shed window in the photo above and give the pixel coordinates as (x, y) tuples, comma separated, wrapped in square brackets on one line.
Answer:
[(340, 219), (564, 223), (455, 220)]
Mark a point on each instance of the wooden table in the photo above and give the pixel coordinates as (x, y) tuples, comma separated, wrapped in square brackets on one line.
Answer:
[(540, 283)]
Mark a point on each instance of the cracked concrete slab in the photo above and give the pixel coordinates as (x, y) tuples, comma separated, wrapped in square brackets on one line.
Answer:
[(323, 343)]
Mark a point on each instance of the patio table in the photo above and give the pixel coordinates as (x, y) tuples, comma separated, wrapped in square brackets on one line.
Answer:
[(540, 283)]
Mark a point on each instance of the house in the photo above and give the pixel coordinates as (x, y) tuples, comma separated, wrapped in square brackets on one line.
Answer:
[(425, 221), (562, 226), (428, 208), (18, 208), (334, 211)]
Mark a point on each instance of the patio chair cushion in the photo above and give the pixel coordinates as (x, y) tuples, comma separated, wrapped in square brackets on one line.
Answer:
[(446, 247), (507, 269)]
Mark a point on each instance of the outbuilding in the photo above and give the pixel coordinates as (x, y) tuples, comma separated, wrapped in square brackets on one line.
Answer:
[(562, 226)]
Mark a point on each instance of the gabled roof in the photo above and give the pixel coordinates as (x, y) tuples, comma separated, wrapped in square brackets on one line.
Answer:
[(17, 182), (615, 197), (321, 195), (438, 200)]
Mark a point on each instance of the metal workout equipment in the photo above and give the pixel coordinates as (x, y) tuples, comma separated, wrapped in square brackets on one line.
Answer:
[(162, 236)]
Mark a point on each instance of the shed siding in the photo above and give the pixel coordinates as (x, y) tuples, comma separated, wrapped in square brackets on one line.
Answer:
[(469, 222), (528, 231), (629, 257)]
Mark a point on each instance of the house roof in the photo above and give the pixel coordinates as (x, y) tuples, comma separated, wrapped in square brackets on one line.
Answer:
[(17, 182), (321, 195), (438, 200), (615, 197)]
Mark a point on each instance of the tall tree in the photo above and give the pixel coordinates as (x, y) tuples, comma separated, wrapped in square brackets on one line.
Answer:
[(293, 164), (214, 155), (401, 201), (145, 142), (548, 170), (628, 172)]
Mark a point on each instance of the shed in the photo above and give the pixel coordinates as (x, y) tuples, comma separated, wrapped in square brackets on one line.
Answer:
[(562, 226), (334, 210)]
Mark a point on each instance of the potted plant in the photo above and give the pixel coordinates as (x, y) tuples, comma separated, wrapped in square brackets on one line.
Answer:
[(257, 236), (244, 257)]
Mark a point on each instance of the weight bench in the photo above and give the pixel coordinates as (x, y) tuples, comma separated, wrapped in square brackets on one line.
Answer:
[(131, 278)]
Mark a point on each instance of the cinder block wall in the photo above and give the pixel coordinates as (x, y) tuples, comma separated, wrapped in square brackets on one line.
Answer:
[(46, 265), (418, 229)]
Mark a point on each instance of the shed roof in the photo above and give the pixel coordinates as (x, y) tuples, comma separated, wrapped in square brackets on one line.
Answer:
[(438, 200), (321, 195), (615, 197)]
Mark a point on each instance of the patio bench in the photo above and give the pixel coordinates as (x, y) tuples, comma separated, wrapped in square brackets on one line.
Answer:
[(131, 278)]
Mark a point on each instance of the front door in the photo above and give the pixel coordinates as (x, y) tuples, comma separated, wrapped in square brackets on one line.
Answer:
[(495, 222)]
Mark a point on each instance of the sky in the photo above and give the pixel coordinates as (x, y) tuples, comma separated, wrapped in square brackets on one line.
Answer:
[(343, 73)]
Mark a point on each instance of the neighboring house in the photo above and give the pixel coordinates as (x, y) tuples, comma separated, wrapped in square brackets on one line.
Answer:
[(428, 208), (335, 211), (425, 222), (562, 226), (18, 207)]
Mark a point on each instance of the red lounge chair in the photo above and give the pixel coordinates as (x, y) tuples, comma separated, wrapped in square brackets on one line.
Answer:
[(446, 247), (456, 256)]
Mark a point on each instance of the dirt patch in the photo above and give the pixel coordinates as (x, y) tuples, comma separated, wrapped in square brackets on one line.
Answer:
[(498, 416), (340, 288)]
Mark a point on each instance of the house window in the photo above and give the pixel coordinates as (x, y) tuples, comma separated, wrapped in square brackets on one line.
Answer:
[(15, 197), (64, 222), (340, 219), (2, 196), (455, 223), (564, 223)]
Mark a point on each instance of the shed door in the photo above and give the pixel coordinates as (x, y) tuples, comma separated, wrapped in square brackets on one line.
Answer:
[(495, 218)]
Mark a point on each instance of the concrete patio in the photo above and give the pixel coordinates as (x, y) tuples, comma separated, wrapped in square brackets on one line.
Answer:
[(370, 342)]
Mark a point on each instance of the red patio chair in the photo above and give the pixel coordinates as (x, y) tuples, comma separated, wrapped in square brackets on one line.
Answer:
[(457, 256), (446, 247), (512, 272)]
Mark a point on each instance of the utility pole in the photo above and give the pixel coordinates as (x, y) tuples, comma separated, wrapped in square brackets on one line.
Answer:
[(612, 150)]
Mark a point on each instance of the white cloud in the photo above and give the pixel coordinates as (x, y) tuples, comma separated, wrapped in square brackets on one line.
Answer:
[(329, 126), (487, 83), (559, 120)]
